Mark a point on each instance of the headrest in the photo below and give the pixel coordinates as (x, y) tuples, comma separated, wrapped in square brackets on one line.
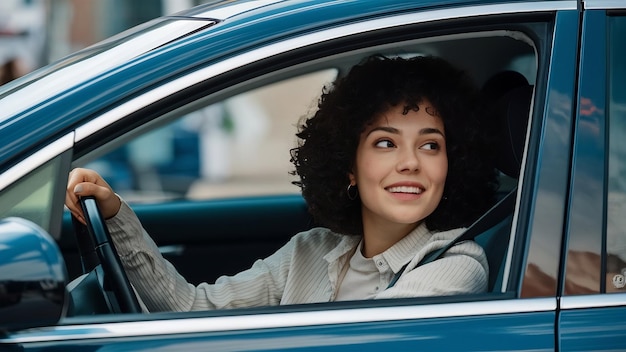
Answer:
[(503, 82), (512, 113)]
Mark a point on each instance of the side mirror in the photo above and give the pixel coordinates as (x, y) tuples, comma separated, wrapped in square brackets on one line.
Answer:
[(32, 276)]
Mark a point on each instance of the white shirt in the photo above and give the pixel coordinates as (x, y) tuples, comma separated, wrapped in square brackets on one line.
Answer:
[(364, 277)]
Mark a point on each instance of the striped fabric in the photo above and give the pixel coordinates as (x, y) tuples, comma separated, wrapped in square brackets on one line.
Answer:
[(305, 270)]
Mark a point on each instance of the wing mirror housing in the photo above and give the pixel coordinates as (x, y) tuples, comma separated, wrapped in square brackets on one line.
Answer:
[(32, 276)]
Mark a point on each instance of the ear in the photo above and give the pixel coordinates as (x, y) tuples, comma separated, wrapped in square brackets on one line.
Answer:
[(352, 178)]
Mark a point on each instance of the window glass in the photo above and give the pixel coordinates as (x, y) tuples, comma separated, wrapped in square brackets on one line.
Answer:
[(32, 197), (237, 147), (616, 203)]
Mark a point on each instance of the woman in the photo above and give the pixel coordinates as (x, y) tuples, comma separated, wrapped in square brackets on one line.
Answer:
[(391, 165)]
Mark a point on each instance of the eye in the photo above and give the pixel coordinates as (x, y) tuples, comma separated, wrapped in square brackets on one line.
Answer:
[(430, 146), (385, 143)]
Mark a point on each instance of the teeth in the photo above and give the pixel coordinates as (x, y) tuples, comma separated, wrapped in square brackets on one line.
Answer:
[(404, 189)]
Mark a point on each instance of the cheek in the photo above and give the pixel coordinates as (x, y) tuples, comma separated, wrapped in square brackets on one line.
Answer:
[(440, 172), (367, 170), (367, 166)]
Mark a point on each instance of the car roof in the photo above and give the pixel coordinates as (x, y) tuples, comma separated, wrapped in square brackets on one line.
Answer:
[(52, 101)]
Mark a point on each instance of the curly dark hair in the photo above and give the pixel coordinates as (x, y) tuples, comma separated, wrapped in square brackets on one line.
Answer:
[(329, 139)]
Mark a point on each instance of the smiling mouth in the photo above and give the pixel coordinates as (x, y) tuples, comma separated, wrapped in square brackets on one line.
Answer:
[(405, 189)]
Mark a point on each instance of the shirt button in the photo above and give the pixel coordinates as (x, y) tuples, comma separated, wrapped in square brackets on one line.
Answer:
[(380, 263)]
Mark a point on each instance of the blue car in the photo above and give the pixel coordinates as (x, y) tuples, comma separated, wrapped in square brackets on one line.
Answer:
[(219, 88)]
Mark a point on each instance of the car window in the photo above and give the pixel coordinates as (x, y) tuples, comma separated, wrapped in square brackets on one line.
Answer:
[(616, 195), (233, 148), (34, 196), (235, 143)]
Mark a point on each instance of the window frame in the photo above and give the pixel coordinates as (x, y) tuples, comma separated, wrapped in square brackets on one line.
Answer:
[(122, 118)]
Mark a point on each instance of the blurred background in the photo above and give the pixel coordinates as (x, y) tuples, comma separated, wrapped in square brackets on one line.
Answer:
[(34, 33)]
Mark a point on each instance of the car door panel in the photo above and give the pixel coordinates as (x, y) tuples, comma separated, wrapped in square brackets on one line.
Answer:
[(452, 327), (608, 324)]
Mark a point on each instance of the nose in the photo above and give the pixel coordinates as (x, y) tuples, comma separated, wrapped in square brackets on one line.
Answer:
[(408, 161)]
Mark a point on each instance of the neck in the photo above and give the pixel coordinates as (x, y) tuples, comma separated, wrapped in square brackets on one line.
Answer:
[(378, 237)]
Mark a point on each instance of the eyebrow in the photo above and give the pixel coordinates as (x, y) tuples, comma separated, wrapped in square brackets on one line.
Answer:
[(423, 131)]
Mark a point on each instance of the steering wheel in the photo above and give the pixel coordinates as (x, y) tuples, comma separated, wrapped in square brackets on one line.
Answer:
[(111, 278)]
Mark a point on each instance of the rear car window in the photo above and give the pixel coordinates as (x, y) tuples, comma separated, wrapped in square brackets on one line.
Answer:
[(616, 196)]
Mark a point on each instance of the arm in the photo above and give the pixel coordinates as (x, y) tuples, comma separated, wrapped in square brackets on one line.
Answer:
[(163, 289)]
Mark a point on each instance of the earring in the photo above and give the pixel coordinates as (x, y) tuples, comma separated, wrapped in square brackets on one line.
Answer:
[(352, 191)]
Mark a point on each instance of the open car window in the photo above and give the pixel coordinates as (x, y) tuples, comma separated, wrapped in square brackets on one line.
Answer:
[(233, 147)]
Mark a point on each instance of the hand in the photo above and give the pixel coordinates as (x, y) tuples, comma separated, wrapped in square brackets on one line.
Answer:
[(85, 182)]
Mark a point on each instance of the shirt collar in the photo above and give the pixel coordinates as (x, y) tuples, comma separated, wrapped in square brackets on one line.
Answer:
[(396, 256), (346, 245), (404, 250)]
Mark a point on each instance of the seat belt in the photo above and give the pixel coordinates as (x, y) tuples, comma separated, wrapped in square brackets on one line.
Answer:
[(493, 216)]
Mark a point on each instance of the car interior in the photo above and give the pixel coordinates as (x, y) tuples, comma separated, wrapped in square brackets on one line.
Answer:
[(234, 231)]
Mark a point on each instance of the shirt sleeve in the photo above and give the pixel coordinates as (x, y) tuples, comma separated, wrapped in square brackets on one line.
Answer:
[(462, 270), (162, 288)]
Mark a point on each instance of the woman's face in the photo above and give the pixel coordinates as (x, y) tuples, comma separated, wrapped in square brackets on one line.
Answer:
[(401, 166)]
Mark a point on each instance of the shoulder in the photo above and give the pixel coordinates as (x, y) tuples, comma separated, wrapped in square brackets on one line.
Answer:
[(442, 238), (319, 237), (464, 251), (446, 235)]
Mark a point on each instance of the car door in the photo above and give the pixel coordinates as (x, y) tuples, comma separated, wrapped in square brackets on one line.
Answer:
[(519, 314), (594, 293)]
